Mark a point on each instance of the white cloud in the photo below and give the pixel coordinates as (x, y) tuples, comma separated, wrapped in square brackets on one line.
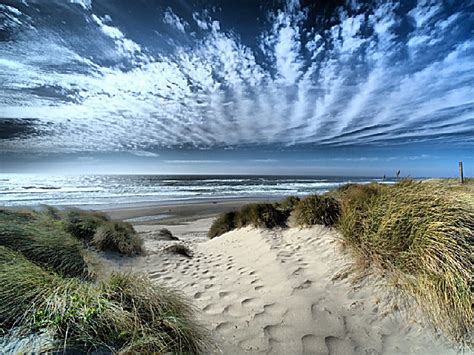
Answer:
[(334, 86), (172, 19)]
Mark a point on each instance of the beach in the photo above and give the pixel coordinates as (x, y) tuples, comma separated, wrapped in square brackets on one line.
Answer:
[(280, 291)]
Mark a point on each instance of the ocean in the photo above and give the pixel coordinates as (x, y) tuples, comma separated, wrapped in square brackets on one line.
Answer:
[(128, 190)]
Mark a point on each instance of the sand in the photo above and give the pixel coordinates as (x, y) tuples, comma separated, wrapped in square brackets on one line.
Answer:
[(282, 292)]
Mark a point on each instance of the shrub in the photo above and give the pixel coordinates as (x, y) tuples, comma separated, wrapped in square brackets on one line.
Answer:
[(260, 215), (43, 241), (317, 209), (126, 313), (222, 224), (165, 233), (119, 237), (83, 224), (425, 237)]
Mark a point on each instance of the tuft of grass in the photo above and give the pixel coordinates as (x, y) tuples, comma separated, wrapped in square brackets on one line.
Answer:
[(180, 249), (126, 313), (222, 224), (259, 215), (165, 233), (317, 209), (119, 237), (43, 240), (83, 224), (288, 204), (424, 236)]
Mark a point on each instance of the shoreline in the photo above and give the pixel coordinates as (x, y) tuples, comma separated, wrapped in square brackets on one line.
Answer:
[(179, 212)]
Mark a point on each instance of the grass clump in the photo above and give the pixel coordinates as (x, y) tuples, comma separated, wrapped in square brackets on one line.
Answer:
[(179, 249), (223, 224), (126, 313), (317, 209), (259, 215), (43, 240), (119, 237), (288, 204), (424, 237), (96, 229), (83, 224)]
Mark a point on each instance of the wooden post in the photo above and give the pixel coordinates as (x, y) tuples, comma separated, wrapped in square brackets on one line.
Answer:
[(461, 175)]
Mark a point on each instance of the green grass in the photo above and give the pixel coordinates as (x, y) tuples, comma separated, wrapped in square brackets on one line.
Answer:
[(126, 313), (288, 204), (263, 215), (96, 229), (43, 240), (422, 234), (317, 209), (119, 237)]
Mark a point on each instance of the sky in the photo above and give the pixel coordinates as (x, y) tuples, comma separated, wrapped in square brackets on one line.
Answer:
[(237, 87)]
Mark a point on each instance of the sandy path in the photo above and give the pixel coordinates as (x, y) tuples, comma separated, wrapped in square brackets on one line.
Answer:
[(274, 292)]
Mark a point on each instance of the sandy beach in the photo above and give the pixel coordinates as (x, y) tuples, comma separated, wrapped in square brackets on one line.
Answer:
[(284, 291)]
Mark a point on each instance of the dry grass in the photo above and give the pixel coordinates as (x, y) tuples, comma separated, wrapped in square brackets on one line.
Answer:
[(179, 249), (424, 236), (126, 313)]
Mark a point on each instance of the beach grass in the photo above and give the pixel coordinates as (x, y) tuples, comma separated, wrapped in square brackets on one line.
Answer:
[(124, 313), (43, 240), (422, 234), (119, 237), (317, 209), (96, 229), (259, 215)]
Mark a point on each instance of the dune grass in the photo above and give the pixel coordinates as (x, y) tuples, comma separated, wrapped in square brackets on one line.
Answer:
[(43, 240), (317, 209), (263, 215), (117, 236), (288, 204), (96, 229), (125, 313), (423, 235)]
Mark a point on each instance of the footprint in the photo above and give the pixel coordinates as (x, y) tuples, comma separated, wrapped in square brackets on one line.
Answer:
[(212, 309), (197, 295), (298, 271), (250, 302), (224, 326), (311, 344), (224, 294), (303, 286), (232, 310), (337, 345), (207, 287), (258, 288)]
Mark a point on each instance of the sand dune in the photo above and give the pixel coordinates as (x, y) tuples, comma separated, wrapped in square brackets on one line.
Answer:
[(286, 292)]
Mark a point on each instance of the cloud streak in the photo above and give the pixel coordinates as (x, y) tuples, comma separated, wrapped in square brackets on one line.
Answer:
[(383, 74)]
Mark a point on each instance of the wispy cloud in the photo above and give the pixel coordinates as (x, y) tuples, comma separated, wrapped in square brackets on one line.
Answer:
[(380, 77)]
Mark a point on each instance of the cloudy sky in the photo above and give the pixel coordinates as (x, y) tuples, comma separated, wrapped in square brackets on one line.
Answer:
[(187, 86)]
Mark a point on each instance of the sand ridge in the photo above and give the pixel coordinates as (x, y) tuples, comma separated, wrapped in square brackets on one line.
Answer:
[(277, 292)]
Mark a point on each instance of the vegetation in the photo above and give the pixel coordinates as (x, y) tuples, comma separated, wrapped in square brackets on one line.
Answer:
[(43, 240), (288, 204), (317, 209), (119, 237), (263, 215), (83, 224), (96, 229), (125, 313), (424, 237), (180, 249), (223, 224)]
